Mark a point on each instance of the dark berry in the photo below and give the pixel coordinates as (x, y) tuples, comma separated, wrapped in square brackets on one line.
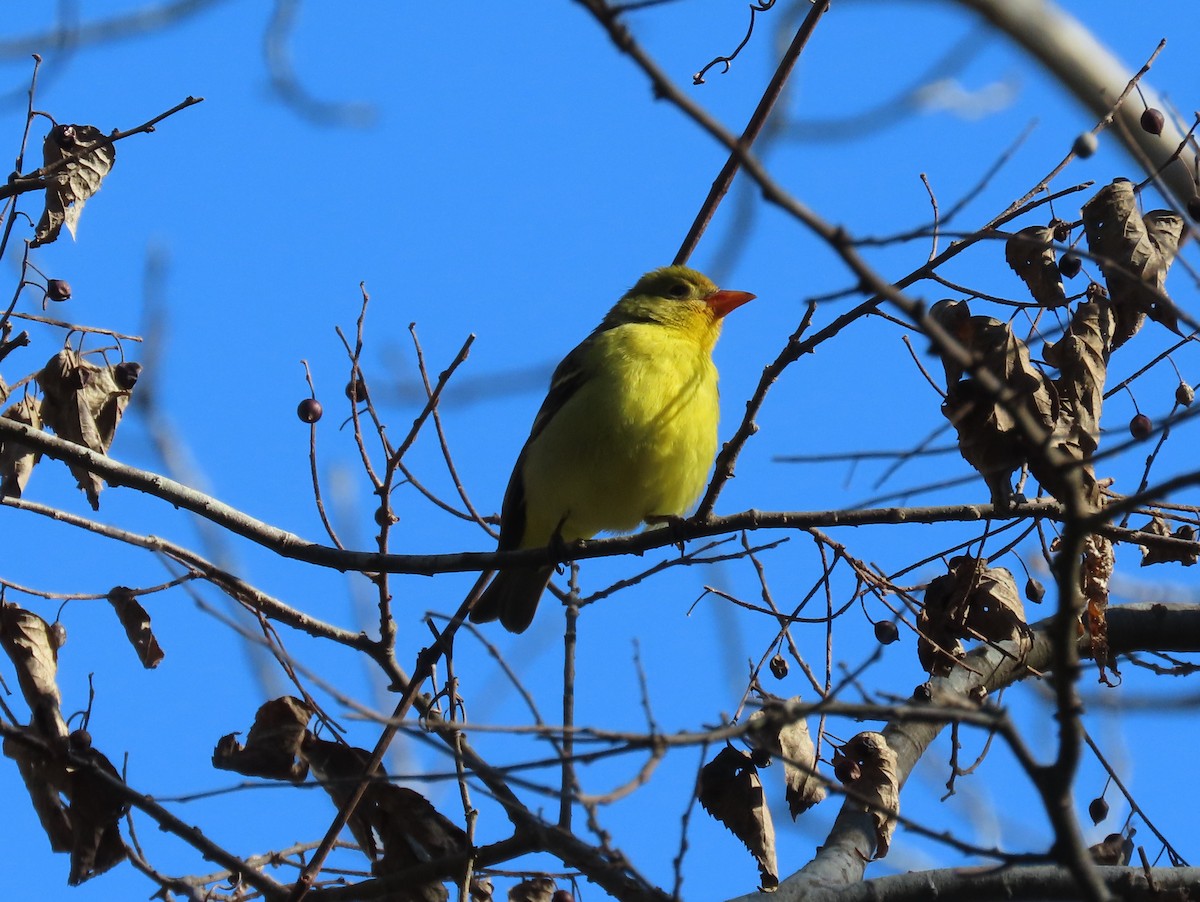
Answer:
[(779, 667), (1070, 264), (1034, 590), (356, 390), (126, 374), (760, 757), (561, 895), (80, 740), (1085, 145), (1184, 394), (1152, 121), (1140, 427), (886, 632), (309, 410), (385, 517), (58, 289), (58, 635), (1098, 810)]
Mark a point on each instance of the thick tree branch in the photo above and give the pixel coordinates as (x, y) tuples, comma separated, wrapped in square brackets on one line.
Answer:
[(841, 860)]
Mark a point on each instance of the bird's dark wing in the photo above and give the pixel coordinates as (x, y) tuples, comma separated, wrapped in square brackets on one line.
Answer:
[(568, 376)]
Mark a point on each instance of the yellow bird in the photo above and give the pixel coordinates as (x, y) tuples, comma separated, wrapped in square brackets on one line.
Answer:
[(626, 434)]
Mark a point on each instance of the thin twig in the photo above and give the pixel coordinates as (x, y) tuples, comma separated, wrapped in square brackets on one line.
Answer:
[(765, 104)]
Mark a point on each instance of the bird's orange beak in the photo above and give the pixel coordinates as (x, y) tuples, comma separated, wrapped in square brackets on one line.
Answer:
[(724, 302)]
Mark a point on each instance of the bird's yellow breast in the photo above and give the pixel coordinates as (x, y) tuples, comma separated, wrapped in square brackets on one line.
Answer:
[(635, 441)]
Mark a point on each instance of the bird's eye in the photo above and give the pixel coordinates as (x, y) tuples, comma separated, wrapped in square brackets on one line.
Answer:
[(678, 290)]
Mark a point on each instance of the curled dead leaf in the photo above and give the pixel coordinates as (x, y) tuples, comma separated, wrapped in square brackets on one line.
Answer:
[(69, 187), (95, 814), (136, 622), (954, 317), (481, 889), (990, 437), (272, 747), (534, 889), (789, 740), (74, 797), (969, 601), (1030, 254), (83, 404), (729, 790), (870, 765), (1158, 554), (1134, 252), (411, 829), (1114, 849), (1081, 357), (29, 643), (996, 612), (396, 827), (16, 460), (45, 780), (1095, 574), (939, 626)]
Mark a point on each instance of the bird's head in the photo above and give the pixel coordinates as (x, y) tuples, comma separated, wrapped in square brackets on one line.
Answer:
[(678, 296)]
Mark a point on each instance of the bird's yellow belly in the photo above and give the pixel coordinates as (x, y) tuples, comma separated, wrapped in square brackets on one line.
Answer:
[(638, 444)]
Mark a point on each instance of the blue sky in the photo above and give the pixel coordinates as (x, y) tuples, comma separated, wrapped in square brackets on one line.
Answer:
[(516, 177)]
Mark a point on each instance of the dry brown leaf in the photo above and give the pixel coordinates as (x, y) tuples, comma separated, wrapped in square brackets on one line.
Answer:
[(939, 624), (1134, 253), (1153, 554), (83, 404), (970, 601), (1094, 578), (535, 889), (1030, 254), (481, 889), (339, 768), (79, 810), (995, 610), (46, 781), (1081, 357), (411, 829), (17, 460), (989, 436), (955, 318), (870, 765), (394, 826), (1114, 849), (791, 742), (27, 640), (137, 626), (730, 791), (69, 188), (95, 814), (272, 748)]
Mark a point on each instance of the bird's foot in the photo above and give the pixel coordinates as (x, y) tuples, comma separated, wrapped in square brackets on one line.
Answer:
[(675, 523), (558, 547)]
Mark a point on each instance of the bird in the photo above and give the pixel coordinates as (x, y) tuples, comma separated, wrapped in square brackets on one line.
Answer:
[(627, 432)]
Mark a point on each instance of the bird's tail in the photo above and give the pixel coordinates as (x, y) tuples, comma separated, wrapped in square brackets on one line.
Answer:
[(512, 597)]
